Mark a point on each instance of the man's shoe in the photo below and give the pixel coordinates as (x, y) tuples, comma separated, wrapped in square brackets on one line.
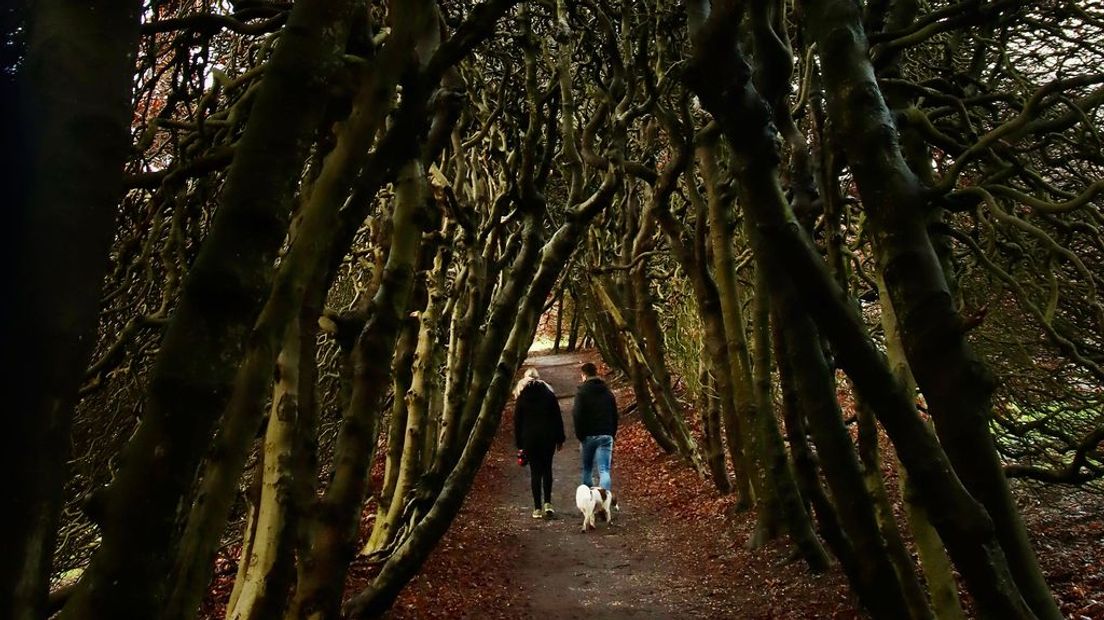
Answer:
[(538, 513), (548, 510)]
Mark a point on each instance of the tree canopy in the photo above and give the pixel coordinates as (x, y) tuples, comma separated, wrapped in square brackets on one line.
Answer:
[(265, 249)]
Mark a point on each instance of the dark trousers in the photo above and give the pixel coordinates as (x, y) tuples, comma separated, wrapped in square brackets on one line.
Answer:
[(540, 472)]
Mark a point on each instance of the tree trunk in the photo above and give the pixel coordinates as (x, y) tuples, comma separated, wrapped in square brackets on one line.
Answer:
[(598, 335), (573, 333), (965, 526), (642, 379), (692, 256), (494, 337), (805, 463), (559, 322), (899, 556), (933, 558), (69, 139), (709, 406), (645, 320), (874, 577), (317, 243), (651, 339), (266, 569), (639, 363), (221, 298), (646, 408), (436, 399), (463, 329), (408, 558), (431, 367), (410, 465), (333, 532), (790, 504), (402, 372), (573, 162), (249, 531), (955, 382), (747, 406)]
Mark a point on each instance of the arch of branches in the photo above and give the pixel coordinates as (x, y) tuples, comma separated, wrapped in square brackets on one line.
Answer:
[(266, 249)]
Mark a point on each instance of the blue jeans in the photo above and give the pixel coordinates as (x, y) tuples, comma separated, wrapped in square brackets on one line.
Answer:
[(597, 448)]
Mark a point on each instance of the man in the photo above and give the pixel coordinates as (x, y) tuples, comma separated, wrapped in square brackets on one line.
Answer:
[(595, 417)]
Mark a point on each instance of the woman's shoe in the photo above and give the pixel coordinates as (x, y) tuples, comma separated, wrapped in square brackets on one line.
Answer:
[(538, 513), (548, 512)]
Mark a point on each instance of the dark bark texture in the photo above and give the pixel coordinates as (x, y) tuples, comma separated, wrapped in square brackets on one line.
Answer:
[(69, 140), (222, 296)]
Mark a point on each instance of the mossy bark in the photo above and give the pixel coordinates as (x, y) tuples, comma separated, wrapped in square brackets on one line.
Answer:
[(933, 558), (709, 407), (401, 374), (462, 334), (223, 294), (645, 324), (806, 463), (266, 569), (573, 333), (646, 407), (954, 380), (333, 531), (790, 503), (691, 251), (872, 574), (316, 244), (651, 339), (745, 120), (408, 558), (410, 464), (643, 381), (870, 457)]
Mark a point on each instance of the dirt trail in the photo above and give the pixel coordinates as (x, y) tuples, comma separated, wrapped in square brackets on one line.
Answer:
[(675, 550), (620, 569)]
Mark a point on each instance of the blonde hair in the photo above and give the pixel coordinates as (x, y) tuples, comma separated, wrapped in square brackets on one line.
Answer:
[(530, 375)]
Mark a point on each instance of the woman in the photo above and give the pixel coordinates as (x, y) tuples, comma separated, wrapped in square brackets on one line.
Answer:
[(539, 431)]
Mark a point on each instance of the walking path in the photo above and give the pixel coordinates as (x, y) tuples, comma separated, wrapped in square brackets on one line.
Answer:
[(661, 557), (618, 569)]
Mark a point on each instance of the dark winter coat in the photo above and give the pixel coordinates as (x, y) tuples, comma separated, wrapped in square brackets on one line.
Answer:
[(537, 421), (595, 410)]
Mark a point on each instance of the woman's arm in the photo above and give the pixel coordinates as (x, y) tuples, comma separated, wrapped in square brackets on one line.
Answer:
[(519, 422), (554, 411)]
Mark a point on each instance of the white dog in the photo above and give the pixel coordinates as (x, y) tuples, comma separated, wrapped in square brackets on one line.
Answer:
[(593, 501)]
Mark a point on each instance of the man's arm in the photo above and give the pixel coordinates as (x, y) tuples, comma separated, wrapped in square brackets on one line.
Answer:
[(577, 415), (614, 413)]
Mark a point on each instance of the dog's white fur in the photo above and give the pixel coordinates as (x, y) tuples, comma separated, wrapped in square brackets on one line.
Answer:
[(593, 501)]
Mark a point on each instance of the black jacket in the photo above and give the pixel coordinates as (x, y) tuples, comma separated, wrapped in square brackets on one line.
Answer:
[(595, 410), (537, 420)]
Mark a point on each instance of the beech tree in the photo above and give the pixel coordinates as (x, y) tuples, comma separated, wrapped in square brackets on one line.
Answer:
[(322, 258)]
